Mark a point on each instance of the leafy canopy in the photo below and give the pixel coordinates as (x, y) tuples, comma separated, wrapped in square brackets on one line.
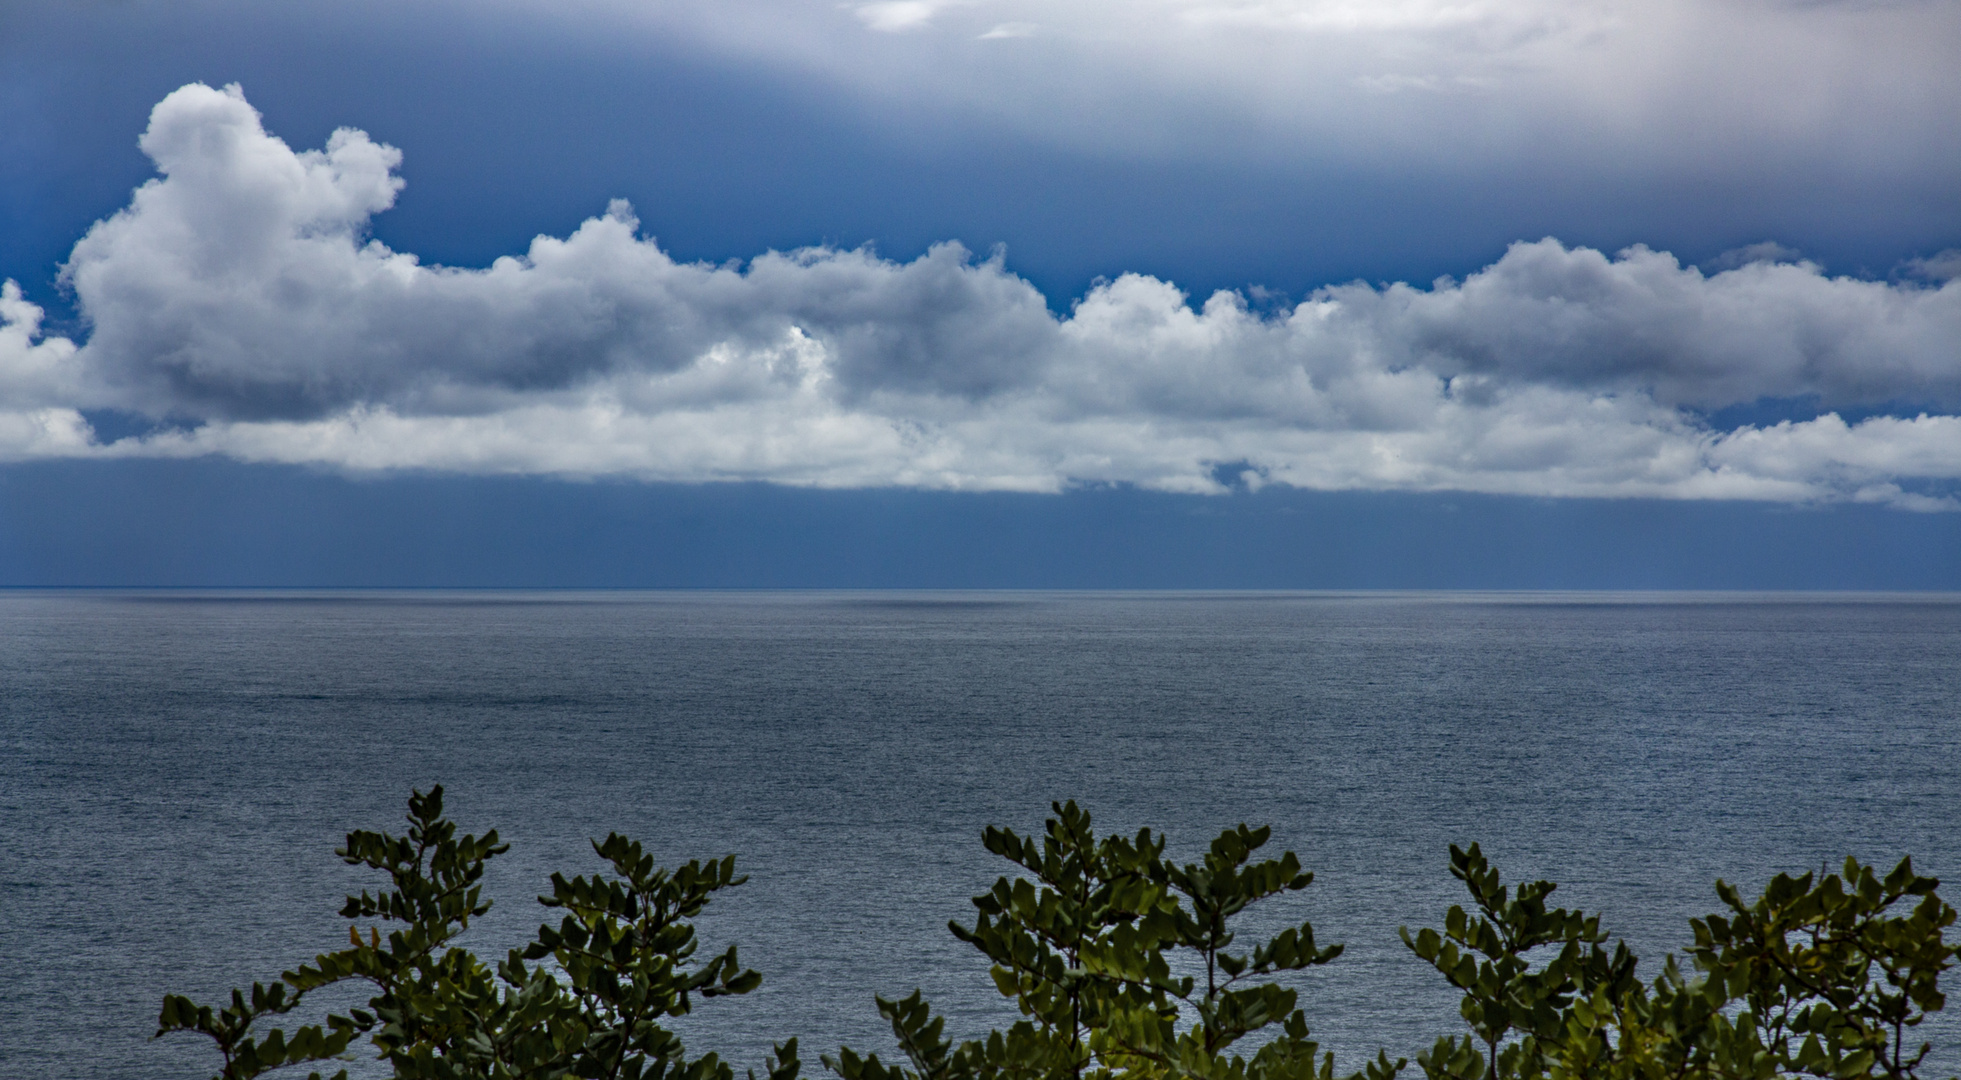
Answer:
[(1123, 964), (1822, 976), (621, 959)]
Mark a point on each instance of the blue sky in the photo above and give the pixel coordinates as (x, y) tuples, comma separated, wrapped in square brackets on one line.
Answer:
[(1082, 270)]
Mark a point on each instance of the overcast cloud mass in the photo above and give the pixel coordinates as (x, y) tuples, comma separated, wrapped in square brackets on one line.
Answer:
[(238, 300), (1704, 86)]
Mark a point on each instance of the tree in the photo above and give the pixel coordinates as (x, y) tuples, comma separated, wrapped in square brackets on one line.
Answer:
[(1821, 976), (1122, 965), (621, 959), (1083, 944)]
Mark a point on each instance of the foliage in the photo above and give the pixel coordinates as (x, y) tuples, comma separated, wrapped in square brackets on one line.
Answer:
[(619, 962), (1122, 965), (1822, 976), (1082, 940)]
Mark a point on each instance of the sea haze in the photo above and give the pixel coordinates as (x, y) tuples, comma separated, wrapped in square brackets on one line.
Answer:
[(176, 767)]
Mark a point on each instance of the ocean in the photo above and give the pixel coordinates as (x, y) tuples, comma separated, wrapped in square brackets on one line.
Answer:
[(176, 768)]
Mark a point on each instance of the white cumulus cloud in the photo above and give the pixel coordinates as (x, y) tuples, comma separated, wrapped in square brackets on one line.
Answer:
[(40, 381), (239, 297)]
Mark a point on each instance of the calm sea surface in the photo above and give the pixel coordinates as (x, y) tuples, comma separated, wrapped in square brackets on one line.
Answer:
[(175, 769)]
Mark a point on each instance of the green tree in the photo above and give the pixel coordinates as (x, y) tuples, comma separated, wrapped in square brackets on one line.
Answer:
[(1123, 964), (1082, 939), (1821, 976), (620, 960)]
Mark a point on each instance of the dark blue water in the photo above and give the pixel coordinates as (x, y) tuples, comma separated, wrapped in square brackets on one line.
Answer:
[(176, 768)]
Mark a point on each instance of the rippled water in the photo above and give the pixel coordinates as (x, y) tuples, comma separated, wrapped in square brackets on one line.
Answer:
[(175, 769)]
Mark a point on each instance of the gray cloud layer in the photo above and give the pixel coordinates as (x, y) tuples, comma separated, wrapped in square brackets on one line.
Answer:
[(239, 290), (1680, 87)]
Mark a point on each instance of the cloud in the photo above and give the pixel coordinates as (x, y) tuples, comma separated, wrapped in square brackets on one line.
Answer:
[(1427, 84), (240, 286), (1743, 91), (39, 380), (33, 371), (1942, 266), (898, 16), (1641, 321), (1763, 251), (239, 295), (1363, 15)]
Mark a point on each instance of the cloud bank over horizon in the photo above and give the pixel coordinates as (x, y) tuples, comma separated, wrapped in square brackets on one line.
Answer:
[(238, 302)]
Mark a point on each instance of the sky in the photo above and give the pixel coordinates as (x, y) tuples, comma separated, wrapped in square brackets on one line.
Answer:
[(1162, 293)]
